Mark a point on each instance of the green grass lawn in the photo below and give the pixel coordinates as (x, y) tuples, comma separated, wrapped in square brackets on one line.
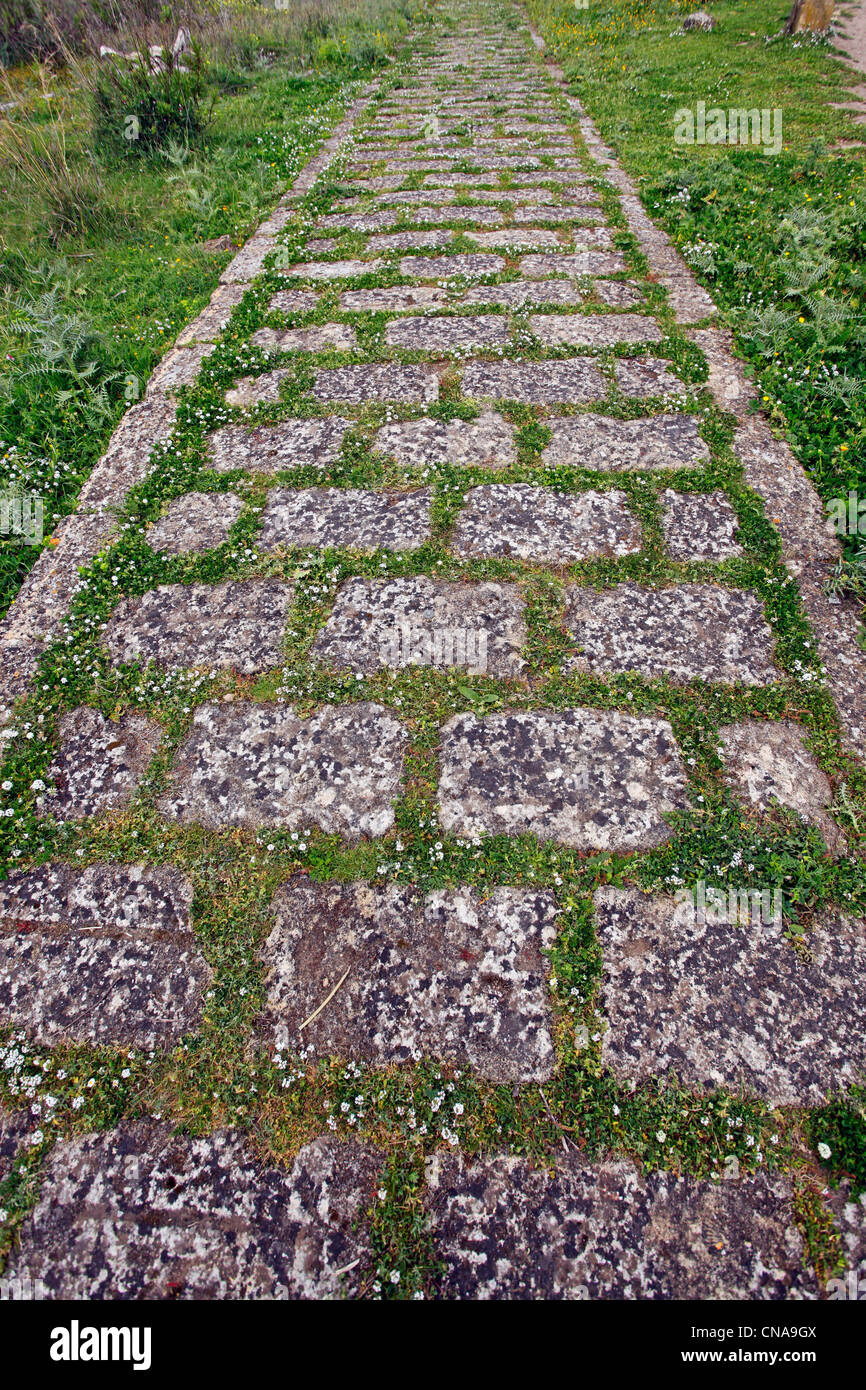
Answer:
[(779, 240)]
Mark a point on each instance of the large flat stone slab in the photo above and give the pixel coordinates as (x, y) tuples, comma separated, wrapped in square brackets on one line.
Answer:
[(699, 526), (611, 445), (209, 324), (13, 1135), (538, 383), (577, 263), (424, 622), (195, 522), (98, 763), (332, 270), (380, 381), (594, 330), (516, 239), (456, 975), (485, 442), (264, 389), (140, 1212), (126, 460), (563, 212), (398, 300), (508, 1230), (237, 625), (588, 778), (261, 764), (769, 762), (268, 448), (104, 956), (321, 337), (517, 294), (619, 294), (294, 302), (445, 334), (115, 897), (407, 241), (646, 376), (349, 518), (686, 632), (730, 1003), (447, 267), (536, 523), (180, 367), (104, 989)]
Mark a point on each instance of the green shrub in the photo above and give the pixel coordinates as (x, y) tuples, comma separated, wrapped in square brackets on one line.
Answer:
[(137, 109)]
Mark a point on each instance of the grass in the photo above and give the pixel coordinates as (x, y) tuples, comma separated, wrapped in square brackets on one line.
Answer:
[(216, 1076), (780, 241)]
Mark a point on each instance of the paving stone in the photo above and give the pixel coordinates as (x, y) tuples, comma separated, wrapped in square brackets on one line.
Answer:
[(401, 298), (485, 442), (141, 1212), (269, 448), (249, 261), (253, 390), (685, 632), (458, 975), (379, 381), (98, 763), (322, 337), (562, 212), (179, 367), (610, 445), (446, 267), (320, 245), (437, 198), (536, 523), (646, 376), (293, 302), (591, 779), (699, 525), (13, 1135), (439, 334), (769, 762), (619, 294), (578, 263), (104, 955), (516, 294), (730, 1003), (103, 897), (195, 522), (538, 383), (472, 181), (126, 460), (209, 324), (237, 625), (35, 616), (405, 241), (332, 270), (516, 238), (346, 518), (261, 764), (508, 1230), (593, 330), (849, 1210), (100, 987), (424, 622)]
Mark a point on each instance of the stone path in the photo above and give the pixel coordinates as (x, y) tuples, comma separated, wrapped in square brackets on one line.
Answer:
[(433, 571)]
